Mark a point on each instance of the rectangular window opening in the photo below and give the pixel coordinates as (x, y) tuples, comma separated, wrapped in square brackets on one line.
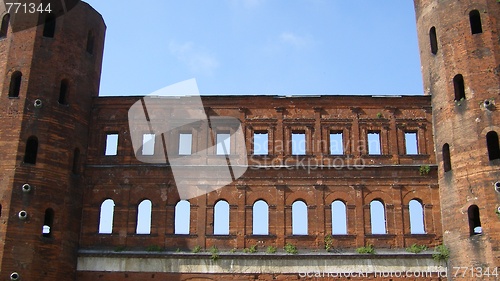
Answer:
[(148, 144), (374, 143), (411, 144), (223, 143), (299, 143), (336, 143), (260, 143), (185, 143), (111, 144)]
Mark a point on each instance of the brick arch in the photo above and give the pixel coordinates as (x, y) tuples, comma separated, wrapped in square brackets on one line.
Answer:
[(299, 196), (256, 196), (339, 195), (407, 197), (378, 195), (488, 129)]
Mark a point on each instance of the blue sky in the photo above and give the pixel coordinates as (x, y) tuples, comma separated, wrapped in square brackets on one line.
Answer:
[(261, 46)]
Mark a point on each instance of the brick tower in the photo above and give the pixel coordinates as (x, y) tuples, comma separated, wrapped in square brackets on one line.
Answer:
[(460, 64), (48, 77)]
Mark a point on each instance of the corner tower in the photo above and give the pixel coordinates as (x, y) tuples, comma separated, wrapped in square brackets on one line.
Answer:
[(48, 77), (460, 58)]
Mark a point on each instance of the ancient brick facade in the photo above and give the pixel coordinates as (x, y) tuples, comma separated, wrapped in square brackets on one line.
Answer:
[(56, 174)]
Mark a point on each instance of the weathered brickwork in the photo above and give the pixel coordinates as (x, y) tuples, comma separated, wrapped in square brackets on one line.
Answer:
[(54, 137), (466, 44)]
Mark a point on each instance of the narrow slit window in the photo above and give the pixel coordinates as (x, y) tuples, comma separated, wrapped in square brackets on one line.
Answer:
[(111, 145), (182, 217), (106, 217), (339, 218), (63, 92), (299, 218), (15, 84), (416, 217), (90, 42), (299, 143), (374, 143), (433, 40), (223, 143), (148, 144), (336, 143), (411, 143), (48, 221), (260, 143), (4, 27), (31, 152), (474, 221), (221, 218), (475, 22), (49, 27), (144, 210), (459, 86), (493, 145), (185, 143), (377, 217), (75, 169), (260, 218), (446, 158)]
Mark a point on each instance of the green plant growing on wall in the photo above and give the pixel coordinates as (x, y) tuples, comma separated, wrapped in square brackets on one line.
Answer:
[(380, 115), (154, 248), (251, 250), (424, 170), (215, 253), (271, 250), (368, 249), (441, 253), (196, 249), (120, 248), (291, 249), (459, 102), (328, 242), (416, 248)]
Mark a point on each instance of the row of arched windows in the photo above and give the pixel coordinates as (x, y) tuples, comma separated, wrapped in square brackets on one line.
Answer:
[(492, 144), (15, 87), (475, 26), (260, 217)]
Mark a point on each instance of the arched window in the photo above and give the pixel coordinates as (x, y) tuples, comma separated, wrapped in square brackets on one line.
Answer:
[(31, 150), (49, 27), (144, 217), (182, 217), (221, 218), (47, 223), (377, 217), (75, 169), (433, 40), (4, 27), (299, 218), (339, 218), (474, 221), (416, 217), (446, 158), (106, 217), (15, 84), (260, 218), (90, 42), (63, 92), (475, 22), (493, 145), (458, 84)]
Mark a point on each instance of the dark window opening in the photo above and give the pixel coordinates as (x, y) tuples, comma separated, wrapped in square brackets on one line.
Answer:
[(474, 221), (49, 28), (4, 27), (90, 43), (76, 162), (446, 158), (433, 39), (458, 83), (31, 151), (475, 22), (15, 84), (63, 92), (493, 146), (47, 223)]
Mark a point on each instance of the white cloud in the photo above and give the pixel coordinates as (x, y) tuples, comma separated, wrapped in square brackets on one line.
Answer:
[(197, 60), (295, 40)]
